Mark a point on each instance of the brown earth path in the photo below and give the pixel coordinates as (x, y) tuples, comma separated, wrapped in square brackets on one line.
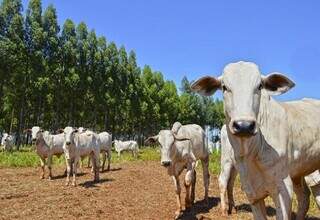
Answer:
[(133, 190)]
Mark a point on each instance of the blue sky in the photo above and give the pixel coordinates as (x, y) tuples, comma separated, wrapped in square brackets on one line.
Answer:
[(195, 38)]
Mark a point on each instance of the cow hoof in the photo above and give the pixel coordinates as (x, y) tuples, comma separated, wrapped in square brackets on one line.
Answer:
[(50, 178), (177, 214), (224, 213), (74, 184), (67, 184), (41, 177)]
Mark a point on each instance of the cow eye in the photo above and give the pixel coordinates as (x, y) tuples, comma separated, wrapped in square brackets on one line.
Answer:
[(260, 86), (224, 88)]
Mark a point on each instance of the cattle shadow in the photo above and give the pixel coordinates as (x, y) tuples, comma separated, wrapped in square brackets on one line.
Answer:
[(111, 170), (247, 208), (62, 176), (91, 183), (270, 211), (199, 207)]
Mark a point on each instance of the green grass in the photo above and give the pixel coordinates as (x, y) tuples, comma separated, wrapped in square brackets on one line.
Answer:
[(27, 157)]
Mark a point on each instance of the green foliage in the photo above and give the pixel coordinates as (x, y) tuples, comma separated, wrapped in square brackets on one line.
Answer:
[(53, 77)]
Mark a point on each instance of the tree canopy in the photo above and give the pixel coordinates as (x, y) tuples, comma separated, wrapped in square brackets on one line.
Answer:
[(55, 76)]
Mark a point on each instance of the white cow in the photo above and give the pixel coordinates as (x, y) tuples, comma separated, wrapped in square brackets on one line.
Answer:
[(7, 141), (275, 144), (105, 148), (181, 147), (77, 145), (228, 175), (126, 146), (47, 145)]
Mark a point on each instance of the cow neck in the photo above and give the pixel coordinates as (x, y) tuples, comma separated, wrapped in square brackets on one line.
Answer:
[(40, 141), (269, 112)]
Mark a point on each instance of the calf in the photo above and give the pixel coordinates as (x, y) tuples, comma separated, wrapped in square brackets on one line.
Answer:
[(77, 145), (7, 142), (47, 145), (181, 147), (126, 146)]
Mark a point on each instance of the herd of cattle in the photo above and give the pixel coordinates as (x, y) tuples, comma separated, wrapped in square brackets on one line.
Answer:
[(273, 146)]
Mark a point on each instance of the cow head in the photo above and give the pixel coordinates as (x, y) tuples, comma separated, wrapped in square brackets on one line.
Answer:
[(35, 132), (166, 139), (69, 134), (4, 138), (82, 129), (242, 85)]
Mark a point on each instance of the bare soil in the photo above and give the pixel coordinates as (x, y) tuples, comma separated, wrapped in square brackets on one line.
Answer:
[(133, 190)]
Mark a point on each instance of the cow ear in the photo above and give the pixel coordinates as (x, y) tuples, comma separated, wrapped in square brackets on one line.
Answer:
[(206, 85), (276, 83), (151, 140), (180, 138)]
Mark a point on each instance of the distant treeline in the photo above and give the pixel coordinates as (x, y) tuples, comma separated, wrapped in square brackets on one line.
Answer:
[(55, 76)]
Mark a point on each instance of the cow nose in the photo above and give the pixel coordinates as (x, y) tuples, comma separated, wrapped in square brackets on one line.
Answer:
[(243, 127), (68, 143), (33, 139), (165, 163)]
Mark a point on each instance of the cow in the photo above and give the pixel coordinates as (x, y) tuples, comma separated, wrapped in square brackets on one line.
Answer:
[(228, 175), (126, 146), (7, 141), (181, 147), (77, 145), (46, 145), (275, 144), (105, 148)]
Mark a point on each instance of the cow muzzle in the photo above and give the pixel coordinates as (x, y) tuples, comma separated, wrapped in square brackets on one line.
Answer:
[(68, 142), (245, 128), (166, 163)]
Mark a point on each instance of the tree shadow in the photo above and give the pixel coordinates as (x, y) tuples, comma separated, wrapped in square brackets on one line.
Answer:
[(91, 183), (198, 208)]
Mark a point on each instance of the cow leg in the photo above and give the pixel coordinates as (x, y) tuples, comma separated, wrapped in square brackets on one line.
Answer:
[(259, 210), (89, 161), (283, 199), (42, 163), (193, 186), (69, 164), (316, 193), (96, 165), (224, 179), (303, 196), (49, 166), (206, 178), (104, 157), (75, 166), (231, 181), (109, 159), (187, 183), (176, 183)]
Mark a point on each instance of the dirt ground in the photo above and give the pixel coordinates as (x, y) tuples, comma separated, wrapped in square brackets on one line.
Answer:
[(135, 190)]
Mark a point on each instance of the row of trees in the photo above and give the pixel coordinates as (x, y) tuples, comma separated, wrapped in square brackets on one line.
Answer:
[(55, 76)]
